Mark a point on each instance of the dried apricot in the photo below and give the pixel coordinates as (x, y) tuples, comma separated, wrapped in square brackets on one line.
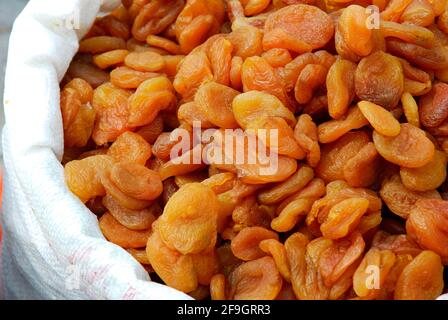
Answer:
[(340, 87), (255, 280), (381, 120), (379, 79), (344, 217), (189, 220), (151, 97), (433, 107), (198, 20), (421, 279), (372, 273), (130, 147), (215, 102), (136, 181), (120, 235), (426, 178), (83, 176), (131, 219), (427, 225), (175, 269), (145, 61), (410, 149), (401, 200), (112, 110), (294, 28), (154, 16), (127, 78), (245, 244)]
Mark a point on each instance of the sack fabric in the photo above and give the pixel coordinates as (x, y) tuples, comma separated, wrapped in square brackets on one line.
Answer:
[(52, 245)]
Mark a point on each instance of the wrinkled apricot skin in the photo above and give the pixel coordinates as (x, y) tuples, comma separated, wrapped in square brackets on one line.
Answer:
[(78, 116), (311, 78), (264, 284), (175, 269), (258, 75), (340, 87), (336, 156), (189, 77), (111, 106), (344, 217), (303, 257), (198, 20), (291, 28), (83, 176), (332, 130), (136, 180), (201, 215), (434, 59), (427, 225), (426, 178), (379, 79), (421, 279), (306, 135), (151, 97), (295, 183), (353, 32), (278, 252), (366, 287), (120, 235), (215, 102), (130, 147), (245, 244), (131, 219), (433, 107), (154, 17), (410, 149), (249, 106), (127, 78), (381, 120), (401, 200)]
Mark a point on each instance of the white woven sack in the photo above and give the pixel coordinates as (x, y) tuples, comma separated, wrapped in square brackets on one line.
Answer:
[(53, 247)]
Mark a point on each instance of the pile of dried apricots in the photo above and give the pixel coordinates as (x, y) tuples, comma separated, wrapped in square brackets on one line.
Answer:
[(358, 205)]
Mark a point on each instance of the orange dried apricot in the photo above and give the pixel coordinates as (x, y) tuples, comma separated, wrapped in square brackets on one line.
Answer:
[(344, 217), (175, 269), (245, 244), (189, 220), (255, 280), (381, 120), (294, 28), (214, 100), (131, 219), (410, 149), (426, 178), (421, 279), (379, 79), (83, 176), (151, 97), (401, 200), (112, 110), (120, 235), (427, 225), (130, 147), (340, 87)]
